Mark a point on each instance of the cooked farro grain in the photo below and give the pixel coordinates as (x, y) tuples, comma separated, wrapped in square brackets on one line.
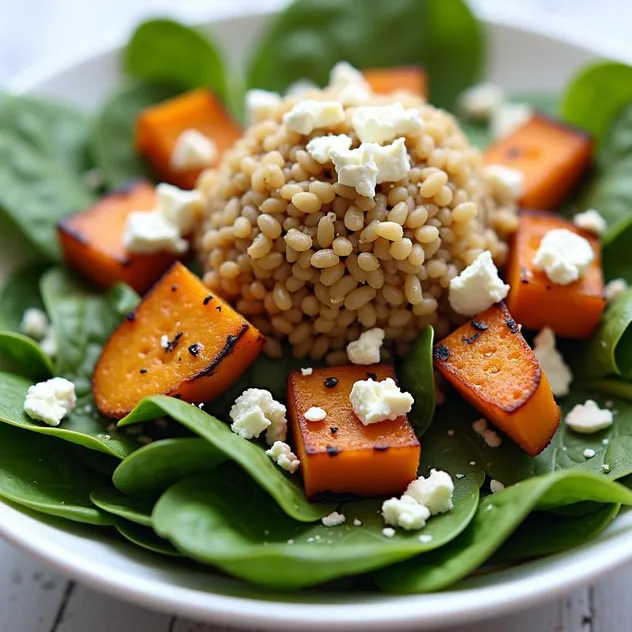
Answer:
[(310, 260)]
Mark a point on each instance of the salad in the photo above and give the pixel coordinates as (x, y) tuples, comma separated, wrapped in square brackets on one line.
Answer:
[(349, 313)]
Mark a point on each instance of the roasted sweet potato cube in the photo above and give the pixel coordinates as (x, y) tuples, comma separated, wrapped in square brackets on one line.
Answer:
[(491, 365), (572, 311), (552, 156), (339, 454), (92, 240), (387, 80), (180, 341), (159, 127)]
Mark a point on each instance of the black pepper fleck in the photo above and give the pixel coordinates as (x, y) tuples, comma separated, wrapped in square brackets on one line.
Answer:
[(372, 376), (333, 429), (380, 448), (207, 299), (548, 287), (331, 451), (143, 371), (219, 308), (174, 288), (479, 325), (441, 352), (331, 382), (177, 396), (513, 327), (195, 349), (172, 344), (471, 339), (130, 316)]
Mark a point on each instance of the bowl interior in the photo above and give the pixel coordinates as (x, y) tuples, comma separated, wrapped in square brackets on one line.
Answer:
[(519, 60)]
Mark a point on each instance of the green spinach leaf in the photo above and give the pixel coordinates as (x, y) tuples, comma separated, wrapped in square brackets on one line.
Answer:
[(166, 51), (114, 502), (19, 292), (144, 537), (249, 455), (310, 36), (112, 140), (496, 518), (155, 467), (24, 356), (38, 473)]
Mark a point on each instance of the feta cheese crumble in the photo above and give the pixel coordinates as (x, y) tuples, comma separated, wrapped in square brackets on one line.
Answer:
[(505, 183), (193, 150), (254, 411), (509, 117), (384, 123), (321, 148), (343, 74), (164, 341), (587, 418), (50, 401), (591, 221), (300, 88), (366, 349), (552, 363), (307, 372), (260, 104), (615, 288), (477, 287), (479, 102), (48, 343), (34, 323), (495, 486), (435, 492), (563, 256), (282, 455), (357, 523), (180, 208), (149, 232), (315, 414), (405, 512), (388, 532), (306, 116), (491, 437), (589, 453), (393, 162), (333, 519), (374, 402)]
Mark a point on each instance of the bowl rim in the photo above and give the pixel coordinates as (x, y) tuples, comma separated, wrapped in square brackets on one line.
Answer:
[(563, 574)]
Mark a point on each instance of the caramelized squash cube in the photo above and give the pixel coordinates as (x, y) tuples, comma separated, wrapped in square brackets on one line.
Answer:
[(386, 80)]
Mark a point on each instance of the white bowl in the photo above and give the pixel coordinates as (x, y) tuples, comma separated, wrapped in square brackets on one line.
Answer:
[(520, 59)]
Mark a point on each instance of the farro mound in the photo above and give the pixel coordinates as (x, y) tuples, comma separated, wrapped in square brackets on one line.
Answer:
[(309, 260)]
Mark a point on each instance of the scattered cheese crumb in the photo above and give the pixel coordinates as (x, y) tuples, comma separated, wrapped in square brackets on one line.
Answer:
[(393, 162), (343, 74), (388, 532), (179, 207), (290, 541), (552, 363), (306, 372), (509, 117), (366, 349), (592, 221), (321, 148), (589, 453), (308, 115), (425, 539), (479, 102), (254, 411), (459, 476), (405, 512), (587, 418), (48, 343), (491, 438), (282, 454), (615, 288), (435, 492), (374, 402), (450, 433), (301, 87), (477, 287), (164, 341), (495, 486), (34, 323), (333, 519), (606, 468), (357, 523), (384, 123), (149, 232), (315, 414), (193, 150), (260, 104), (563, 255), (50, 401), (505, 183)]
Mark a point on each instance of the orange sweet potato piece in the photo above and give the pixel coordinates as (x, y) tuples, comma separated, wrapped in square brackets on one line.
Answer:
[(92, 240), (551, 155), (340, 454), (210, 346), (490, 364), (572, 311), (159, 127), (387, 80)]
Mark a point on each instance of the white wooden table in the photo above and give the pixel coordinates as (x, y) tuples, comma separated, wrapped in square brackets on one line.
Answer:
[(35, 599)]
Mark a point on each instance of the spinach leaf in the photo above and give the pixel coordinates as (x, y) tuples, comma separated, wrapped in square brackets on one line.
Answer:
[(545, 533), (24, 356), (144, 537), (596, 95), (19, 292), (222, 518), (616, 260), (114, 502), (417, 377), (285, 490), (166, 51), (151, 470), (112, 140), (310, 36), (38, 473), (496, 518)]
